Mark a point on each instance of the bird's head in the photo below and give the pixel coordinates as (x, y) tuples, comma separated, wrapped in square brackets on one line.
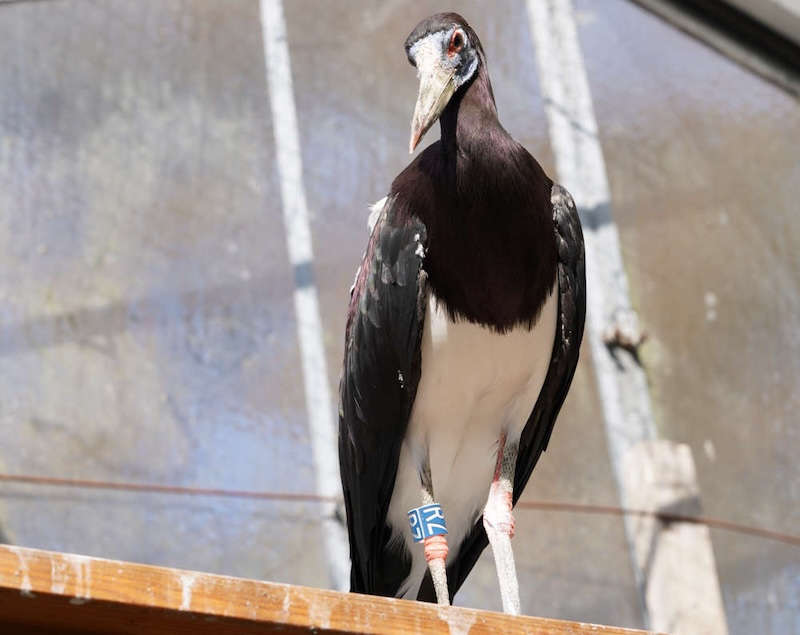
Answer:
[(446, 53)]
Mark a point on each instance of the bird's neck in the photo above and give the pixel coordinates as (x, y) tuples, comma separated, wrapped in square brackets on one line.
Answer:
[(491, 249), (470, 117)]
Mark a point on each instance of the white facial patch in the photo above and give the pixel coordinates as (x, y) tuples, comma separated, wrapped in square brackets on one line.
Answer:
[(429, 54)]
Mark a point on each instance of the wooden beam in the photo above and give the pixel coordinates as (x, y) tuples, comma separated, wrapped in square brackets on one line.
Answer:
[(50, 592)]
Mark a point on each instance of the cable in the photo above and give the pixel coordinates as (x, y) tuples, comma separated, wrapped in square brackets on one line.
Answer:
[(664, 517), (153, 488), (579, 508)]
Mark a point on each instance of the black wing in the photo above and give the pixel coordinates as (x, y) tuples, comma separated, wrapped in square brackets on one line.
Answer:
[(377, 389), (569, 332)]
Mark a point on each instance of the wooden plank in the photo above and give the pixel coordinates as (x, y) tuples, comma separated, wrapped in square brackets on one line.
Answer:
[(50, 592)]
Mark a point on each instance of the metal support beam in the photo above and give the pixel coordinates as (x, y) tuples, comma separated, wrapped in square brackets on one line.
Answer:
[(740, 36), (319, 403)]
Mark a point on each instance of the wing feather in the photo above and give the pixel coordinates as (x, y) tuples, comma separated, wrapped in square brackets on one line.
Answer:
[(377, 389)]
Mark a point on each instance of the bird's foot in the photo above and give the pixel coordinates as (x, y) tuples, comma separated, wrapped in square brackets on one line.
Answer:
[(498, 515)]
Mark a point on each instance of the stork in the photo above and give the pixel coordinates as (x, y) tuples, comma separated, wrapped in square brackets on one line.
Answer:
[(462, 337)]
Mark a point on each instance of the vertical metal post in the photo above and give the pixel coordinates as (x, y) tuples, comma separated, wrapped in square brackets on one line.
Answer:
[(627, 412), (319, 404)]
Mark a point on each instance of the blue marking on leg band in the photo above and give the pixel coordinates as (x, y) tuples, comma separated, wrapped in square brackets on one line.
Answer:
[(426, 521)]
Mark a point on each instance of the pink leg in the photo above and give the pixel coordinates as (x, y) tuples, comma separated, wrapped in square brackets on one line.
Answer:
[(498, 520), (435, 546), (497, 513)]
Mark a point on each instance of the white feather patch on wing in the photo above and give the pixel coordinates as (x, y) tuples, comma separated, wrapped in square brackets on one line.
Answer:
[(374, 211)]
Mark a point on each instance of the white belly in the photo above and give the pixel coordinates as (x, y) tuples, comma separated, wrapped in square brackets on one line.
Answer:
[(475, 383)]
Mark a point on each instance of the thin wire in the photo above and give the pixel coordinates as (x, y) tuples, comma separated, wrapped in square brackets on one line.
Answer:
[(665, 517), (2, 2), (153, 488), (579, 508)]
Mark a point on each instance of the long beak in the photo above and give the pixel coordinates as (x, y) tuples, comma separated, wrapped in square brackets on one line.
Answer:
[(436, 87)]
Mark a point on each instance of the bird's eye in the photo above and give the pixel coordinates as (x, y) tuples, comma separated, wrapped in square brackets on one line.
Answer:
[(456, 42)]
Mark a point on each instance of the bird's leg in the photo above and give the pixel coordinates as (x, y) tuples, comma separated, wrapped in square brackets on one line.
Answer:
[(498, 520), (435, 545)]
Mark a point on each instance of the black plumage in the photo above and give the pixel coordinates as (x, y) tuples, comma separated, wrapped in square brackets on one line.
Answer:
[(475, 221)]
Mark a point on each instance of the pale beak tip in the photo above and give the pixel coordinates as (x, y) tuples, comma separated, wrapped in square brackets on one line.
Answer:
[(412, 144)]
